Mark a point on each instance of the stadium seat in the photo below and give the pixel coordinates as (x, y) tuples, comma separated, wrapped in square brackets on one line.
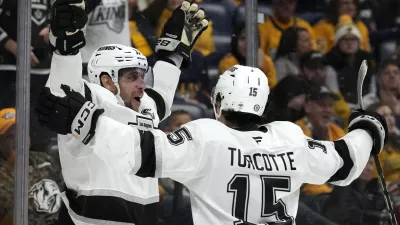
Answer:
[(219, 16), (222, 43)]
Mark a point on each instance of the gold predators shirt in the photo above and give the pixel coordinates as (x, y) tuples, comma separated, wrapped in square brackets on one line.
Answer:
[(271, 31)]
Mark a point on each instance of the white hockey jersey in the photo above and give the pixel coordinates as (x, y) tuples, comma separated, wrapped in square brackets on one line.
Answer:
[(107, 23), (95, 184), (235, 177)]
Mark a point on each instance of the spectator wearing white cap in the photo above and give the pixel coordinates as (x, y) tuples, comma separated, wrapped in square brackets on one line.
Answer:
[(346, 57)]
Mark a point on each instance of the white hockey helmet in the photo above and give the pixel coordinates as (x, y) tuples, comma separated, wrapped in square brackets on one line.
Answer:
[(242, 89), (111, 58)]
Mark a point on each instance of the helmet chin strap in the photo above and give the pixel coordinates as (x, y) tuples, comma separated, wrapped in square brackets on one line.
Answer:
[(118, 96)]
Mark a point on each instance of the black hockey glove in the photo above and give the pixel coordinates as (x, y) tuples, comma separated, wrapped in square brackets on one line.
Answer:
[(181, 32), (372, 122), (68, 19), (69, 114)]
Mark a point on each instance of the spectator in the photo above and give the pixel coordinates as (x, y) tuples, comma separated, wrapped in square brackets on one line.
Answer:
[(238, 56), (388, 88), (316, 71), (295, 42), (360, 203), (142, 34), (286, 100), (108, 22), (44, 178), (390, 155), (317, 124), (319, 113), (40, 57), (325, 29), (177, 119), (282, 18), (205, 44), (346, 57)]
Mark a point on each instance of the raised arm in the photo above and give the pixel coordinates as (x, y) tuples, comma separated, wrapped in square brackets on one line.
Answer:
[(342, 161), (174, 46), (68, 19)]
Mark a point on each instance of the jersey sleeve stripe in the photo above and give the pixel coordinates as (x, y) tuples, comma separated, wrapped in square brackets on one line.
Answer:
[(158, 99), (343, 151), (148, 165)]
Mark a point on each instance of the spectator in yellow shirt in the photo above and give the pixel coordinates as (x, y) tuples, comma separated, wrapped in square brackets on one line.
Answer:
[(390, 155), (315, 70), (238, 56), (326, 27), (317, 124), (282, 18), (205, 44)]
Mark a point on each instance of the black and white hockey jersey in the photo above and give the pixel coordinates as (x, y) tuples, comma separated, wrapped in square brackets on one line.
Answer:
[(8, 30), (101, 191), (108, 22), (234, 176)]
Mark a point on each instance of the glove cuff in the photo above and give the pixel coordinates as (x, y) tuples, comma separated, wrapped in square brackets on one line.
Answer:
[(373, 127), (167, 46), (84, 124), (67, 44)]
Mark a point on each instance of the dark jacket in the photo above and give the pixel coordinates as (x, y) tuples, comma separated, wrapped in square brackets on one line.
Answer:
[(347, 73), (359, 203)]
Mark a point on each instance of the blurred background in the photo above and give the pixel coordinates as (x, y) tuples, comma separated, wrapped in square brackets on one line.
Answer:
[(310, 50)]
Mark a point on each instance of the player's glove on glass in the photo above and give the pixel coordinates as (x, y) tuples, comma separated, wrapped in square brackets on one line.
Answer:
[(69, 114), (181, 32), (68, 19), (374, 123)]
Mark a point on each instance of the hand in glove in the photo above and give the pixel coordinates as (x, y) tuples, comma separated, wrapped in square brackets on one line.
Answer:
[(69, 114), (68, 19), (372, 122), (181, 32)]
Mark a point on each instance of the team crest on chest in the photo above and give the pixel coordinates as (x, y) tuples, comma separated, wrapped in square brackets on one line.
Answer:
[(39, 9), (111, 13)]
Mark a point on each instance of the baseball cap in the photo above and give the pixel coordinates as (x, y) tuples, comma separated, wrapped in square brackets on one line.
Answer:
[(317, 93), (312, 60), (7, 119)]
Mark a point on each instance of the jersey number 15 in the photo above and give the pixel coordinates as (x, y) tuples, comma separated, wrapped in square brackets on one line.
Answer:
[(271, 206)]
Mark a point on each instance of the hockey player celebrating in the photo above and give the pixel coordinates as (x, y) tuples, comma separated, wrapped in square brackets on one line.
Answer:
[(96, 194), (238, 171)]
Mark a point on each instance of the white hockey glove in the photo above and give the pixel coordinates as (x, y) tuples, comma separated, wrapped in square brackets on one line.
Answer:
[(181, 32), (68, 20), (372, 122)]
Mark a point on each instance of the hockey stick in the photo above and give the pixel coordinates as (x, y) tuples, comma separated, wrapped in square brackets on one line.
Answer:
[(361, 75)]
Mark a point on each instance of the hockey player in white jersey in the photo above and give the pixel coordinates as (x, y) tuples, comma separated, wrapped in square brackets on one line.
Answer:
[(95, 193), (238, 171)]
